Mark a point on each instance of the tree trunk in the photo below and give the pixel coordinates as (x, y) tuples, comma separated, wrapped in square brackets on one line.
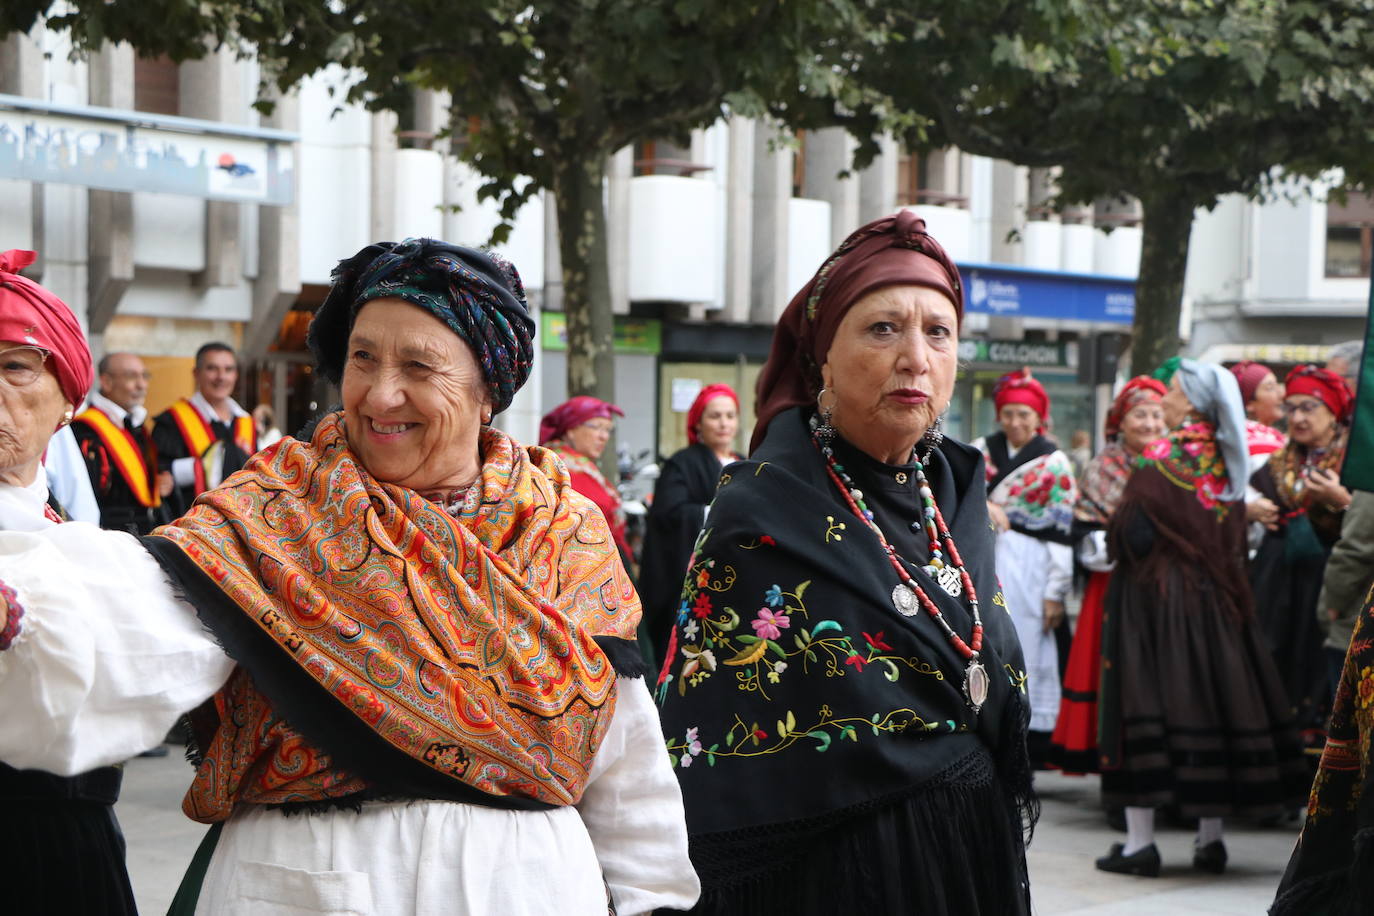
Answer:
[(1159, 288), (581, 207)]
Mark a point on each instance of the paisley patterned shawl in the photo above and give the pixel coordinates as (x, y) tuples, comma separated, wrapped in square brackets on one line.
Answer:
[(1103, 484), (412, 653)]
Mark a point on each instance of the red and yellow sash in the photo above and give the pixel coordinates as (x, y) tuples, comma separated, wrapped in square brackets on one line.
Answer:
[(126, 452), (198, 436)]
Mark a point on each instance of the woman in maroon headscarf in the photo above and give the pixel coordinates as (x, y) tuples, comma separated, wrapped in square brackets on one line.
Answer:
[(1302, 480), (577, 431), (684, 490), (62, 846), (843, 692), (1135, 420)]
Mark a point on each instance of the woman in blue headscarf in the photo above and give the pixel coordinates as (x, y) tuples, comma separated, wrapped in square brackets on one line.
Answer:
[(1193, 712)]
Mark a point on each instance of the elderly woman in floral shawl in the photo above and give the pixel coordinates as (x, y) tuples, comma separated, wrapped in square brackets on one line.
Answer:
[(1135, 420), (843, 692), (1192, 711), (426, 639)]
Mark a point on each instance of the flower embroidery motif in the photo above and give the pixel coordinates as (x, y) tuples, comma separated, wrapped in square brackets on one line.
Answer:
[(702, 606), (769, 625), (773, 596), (1366, 688)]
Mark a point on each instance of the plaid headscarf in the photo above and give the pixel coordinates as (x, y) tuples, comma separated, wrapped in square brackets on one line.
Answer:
[(478, 294)]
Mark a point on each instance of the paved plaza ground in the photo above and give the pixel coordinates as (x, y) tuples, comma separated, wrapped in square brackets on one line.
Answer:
[(1063, 881)]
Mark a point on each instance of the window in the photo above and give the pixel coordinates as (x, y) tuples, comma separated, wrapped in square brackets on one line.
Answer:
[(935, 178), (157, 85), (663, 157), (1350, 235)]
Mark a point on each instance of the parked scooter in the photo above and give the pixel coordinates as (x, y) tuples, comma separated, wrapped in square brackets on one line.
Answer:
[(636, 487)]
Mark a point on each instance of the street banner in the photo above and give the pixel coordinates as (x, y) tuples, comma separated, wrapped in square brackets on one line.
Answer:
[(1358, 471)]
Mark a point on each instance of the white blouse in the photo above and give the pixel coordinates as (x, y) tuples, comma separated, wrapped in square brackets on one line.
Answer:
[(107, 657)]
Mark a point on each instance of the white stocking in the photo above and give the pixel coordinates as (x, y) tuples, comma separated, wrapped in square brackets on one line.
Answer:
[(1208, 830), (1140, 829)]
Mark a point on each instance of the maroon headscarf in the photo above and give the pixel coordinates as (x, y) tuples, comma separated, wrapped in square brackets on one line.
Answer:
[(30, 314), (1324, 385), (892, 251), (1249, 374), (572, 413), (698, 408), (1020, 387)]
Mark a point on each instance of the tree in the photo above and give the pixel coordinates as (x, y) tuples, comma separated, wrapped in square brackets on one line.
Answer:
[(1173, 102), (543, 91)]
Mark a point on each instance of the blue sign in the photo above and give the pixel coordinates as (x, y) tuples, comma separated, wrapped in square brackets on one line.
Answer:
[(1027, 293)]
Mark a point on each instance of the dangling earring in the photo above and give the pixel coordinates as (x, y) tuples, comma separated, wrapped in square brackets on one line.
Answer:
[(821, 427), (935, 434)]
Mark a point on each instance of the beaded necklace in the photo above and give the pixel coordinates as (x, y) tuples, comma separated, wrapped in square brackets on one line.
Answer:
[(907, 596)]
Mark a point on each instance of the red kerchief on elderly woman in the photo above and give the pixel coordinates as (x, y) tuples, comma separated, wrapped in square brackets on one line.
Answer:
[(842, 599), (1031, 495), (577, 431), (429, 638)]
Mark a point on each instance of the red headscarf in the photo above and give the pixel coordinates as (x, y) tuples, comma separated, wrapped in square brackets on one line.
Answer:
[(572, 413), (892, 251), (1021, 388), (699, 407), (1249, 374), (29, 314), (1140, 390), (1324, 385)]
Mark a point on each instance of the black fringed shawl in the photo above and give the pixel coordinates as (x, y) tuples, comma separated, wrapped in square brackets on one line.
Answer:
[(793, 689)]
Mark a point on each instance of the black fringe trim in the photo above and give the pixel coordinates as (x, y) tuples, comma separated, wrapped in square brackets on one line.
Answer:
[(310, 709), (625, 655), (1348, 892)]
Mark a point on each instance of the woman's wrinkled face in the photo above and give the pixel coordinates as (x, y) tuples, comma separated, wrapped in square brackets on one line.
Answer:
[(1310, 422), (590, 438), (414, 398), (1019, 422), (1267, 405), (1142, 424), (719, 423), (891, 368), (32, 408), (1175, 404)]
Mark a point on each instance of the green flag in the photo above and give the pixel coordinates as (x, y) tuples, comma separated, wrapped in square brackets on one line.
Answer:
[(1358, 471)]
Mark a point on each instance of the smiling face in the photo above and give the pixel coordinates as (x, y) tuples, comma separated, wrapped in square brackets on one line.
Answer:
[(1141, 425), (216, 374), (1310, 422), (31, 410), (1019, 422), (718, 425), (1267, 405), (414, 398), (891, 369)]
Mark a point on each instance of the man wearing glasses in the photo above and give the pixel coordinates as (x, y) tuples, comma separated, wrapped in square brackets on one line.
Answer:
[(118, 448)]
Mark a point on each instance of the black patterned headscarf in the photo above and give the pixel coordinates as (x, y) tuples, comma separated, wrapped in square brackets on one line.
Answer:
[(478, 294)]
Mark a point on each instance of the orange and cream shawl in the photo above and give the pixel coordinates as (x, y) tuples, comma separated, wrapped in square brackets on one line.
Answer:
[(387, 648)]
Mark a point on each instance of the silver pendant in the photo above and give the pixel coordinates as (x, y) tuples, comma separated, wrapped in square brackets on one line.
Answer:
[(904, 600), (976, 684), (947, 579)]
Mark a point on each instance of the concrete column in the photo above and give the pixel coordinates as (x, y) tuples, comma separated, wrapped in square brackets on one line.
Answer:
[(830, 152), (553, 257), (772, 191), (382, 226), (278, 283), (210, 89), (1008, 212), (21, 73), (110, 242), (878, 183), (739, 221), (620, 170)]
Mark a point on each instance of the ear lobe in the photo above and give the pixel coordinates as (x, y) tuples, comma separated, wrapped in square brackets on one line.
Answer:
[(826, 375)]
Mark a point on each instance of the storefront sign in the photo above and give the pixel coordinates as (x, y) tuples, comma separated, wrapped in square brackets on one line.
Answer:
[(1024, 293), (632, 335), (1019, 353), (132, 151)]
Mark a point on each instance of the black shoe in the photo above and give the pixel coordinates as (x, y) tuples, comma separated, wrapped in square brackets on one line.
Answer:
[(1143, 863), (1211, 857), (159, 751)]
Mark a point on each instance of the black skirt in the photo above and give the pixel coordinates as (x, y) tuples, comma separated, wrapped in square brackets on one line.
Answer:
[(948, 848)]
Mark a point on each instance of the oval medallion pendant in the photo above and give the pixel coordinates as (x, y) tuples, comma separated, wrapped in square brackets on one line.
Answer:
[(976, 684), (904, 600)]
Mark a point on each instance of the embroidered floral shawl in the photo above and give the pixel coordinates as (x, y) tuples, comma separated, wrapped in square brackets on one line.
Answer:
[(1039, 495), (793, 689), (1188, 457), (386, 647)]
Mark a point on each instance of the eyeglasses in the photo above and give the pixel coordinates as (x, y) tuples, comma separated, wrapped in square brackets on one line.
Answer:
[(21, 366), (1305, 408), (595, 427)]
